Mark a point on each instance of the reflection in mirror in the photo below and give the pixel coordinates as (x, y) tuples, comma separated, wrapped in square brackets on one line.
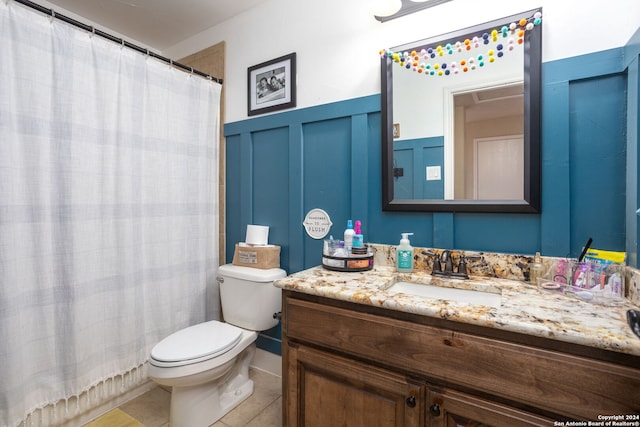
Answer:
[(488, 144), (461, 121)]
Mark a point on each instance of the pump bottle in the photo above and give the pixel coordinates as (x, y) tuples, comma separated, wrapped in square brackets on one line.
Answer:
[(348, 236), (404, 254)]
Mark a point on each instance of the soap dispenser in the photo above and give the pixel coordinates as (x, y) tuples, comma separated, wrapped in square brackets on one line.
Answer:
[(404, 254)]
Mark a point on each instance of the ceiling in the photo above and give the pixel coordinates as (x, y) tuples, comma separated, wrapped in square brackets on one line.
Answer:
[(157, 24)]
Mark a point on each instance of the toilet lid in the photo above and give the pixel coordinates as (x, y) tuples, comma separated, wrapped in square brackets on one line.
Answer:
[(202, 341)]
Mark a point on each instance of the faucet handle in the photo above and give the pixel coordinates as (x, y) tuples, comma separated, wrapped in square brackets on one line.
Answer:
[(462, 265), (436, 264)]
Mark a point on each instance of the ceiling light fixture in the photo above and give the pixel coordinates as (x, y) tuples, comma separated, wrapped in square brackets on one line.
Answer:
[(407, 7), (385, 7)]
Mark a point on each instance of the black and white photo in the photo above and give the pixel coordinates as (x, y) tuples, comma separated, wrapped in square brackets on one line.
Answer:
[(271, 85)]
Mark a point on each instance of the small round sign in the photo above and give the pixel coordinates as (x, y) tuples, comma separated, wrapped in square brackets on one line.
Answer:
[(317, 223)]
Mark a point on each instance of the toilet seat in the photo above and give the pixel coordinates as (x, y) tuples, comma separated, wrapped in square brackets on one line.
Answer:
[(195, 344)]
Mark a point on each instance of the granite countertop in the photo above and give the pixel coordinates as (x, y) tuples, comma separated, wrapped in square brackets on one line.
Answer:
[(523, 309)]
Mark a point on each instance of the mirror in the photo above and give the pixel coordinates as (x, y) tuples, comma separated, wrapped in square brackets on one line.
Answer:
[(461, 120)]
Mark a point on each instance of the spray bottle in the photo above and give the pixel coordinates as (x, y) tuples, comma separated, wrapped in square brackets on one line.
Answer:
[(357, 238), (348, 236)]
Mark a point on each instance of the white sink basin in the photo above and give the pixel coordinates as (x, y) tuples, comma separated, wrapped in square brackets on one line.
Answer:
[(476, 297)]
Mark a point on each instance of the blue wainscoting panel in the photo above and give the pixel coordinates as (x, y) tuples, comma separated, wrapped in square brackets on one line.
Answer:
[(411, 158), (270, 183), (432, 157), (327, 178), (403, 182), (502, 233), (329, 157), (597, 120), (281, 166), (555, 220)]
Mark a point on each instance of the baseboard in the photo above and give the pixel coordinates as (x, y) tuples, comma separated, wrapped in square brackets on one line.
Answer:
[(268, 362)]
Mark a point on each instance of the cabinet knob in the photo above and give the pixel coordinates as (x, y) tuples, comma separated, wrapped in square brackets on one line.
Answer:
[(435, 409), (411, 401)]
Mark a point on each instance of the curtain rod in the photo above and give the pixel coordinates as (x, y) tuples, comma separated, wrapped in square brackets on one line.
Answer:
[(115, 39)]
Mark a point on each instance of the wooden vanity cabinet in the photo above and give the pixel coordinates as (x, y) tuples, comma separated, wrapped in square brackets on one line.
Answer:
[(450, 408), (347, 364), (329, 390)]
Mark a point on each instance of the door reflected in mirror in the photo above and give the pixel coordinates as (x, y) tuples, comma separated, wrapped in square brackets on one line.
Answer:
[(461, 126), (488, 144)]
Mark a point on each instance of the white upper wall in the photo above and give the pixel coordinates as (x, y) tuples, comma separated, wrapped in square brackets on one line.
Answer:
[(337, 41)]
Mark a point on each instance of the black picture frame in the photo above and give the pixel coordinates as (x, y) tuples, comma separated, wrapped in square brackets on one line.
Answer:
[(271, 86)]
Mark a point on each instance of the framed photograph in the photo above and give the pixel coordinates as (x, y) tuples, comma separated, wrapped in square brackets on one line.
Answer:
[(272, 85)]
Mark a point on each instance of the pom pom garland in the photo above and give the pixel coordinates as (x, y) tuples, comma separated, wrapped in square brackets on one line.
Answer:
[(517, 31)]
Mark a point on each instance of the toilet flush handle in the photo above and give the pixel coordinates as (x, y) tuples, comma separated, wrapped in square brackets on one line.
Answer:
[(220, 279)]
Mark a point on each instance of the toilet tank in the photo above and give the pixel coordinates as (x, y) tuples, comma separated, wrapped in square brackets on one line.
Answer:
[(249, 298)]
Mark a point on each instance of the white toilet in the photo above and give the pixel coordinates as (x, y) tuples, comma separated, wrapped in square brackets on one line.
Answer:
[(208, 364)]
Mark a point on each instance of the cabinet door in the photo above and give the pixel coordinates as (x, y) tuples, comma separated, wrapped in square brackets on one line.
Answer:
[(328, 390), (449, 408)]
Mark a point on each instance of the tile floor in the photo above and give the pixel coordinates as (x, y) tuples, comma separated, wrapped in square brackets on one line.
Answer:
[(263, 408)]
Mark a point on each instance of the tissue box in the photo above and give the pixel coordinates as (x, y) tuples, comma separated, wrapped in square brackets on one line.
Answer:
[(257, 256)]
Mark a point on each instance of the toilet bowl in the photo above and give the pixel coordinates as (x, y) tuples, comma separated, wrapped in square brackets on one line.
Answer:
[(207, 365)]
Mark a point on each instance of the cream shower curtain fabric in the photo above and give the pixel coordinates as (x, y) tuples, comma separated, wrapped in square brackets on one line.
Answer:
[(108, 209)]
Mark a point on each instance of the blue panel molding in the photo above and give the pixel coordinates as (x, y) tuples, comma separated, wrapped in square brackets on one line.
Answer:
[(359, 194)]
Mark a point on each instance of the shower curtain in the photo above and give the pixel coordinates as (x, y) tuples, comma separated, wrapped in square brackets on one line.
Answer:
[(108, 210)]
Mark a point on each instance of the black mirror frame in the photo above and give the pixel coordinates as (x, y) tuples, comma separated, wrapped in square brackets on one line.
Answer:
[(532, 130)]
